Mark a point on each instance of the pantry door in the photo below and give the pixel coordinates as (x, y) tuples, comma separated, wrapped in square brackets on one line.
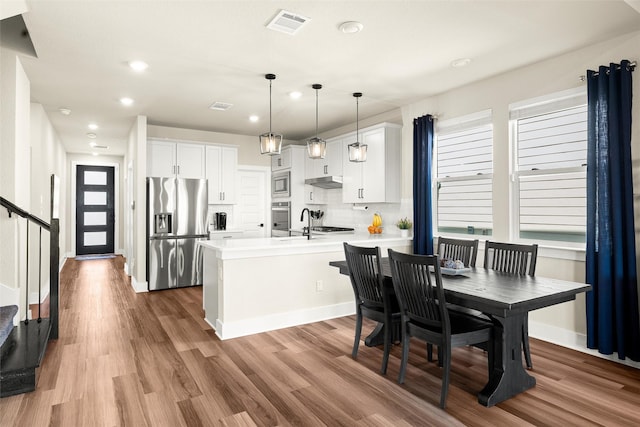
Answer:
[(95, 210)]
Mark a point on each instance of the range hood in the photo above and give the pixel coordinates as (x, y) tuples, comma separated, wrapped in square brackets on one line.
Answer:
[(325, 181)]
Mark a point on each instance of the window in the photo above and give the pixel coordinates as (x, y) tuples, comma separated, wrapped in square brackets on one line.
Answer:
[(550, 141), (464, 175)]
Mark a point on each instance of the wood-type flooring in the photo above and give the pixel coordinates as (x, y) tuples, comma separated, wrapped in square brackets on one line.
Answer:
[(127, 359)]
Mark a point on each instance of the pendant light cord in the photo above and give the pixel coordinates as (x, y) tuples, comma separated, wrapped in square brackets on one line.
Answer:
[(316, 113), (270, 83), (357, 120)]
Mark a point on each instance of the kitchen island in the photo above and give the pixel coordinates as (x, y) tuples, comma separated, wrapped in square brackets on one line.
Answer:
[(258, 285)]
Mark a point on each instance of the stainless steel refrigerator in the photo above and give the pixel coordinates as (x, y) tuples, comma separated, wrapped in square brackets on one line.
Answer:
[(176, 220)]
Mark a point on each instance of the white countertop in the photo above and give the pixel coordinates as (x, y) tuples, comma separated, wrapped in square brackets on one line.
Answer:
[(276, 246)]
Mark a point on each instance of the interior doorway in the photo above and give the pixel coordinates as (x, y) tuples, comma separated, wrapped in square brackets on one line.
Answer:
[(95, 210), (252, 205)]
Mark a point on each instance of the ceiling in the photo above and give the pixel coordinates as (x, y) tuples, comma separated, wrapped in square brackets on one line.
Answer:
[(199, 52)]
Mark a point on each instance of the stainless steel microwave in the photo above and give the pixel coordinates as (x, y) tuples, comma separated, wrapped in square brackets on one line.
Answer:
[(281, 184)]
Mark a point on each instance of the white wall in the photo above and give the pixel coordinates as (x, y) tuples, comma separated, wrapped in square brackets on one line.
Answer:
[(14, 176), (30, 151), (134, 212), (497, 93), (47, 157)]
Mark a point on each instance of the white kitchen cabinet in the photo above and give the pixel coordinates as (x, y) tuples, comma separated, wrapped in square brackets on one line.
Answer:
[(281, 161), (331, 165), (314, 195), (378, 179), (221, 168), (169, 159)]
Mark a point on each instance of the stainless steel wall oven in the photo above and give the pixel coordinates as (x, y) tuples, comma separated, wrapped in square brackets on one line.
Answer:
[(280, 218)]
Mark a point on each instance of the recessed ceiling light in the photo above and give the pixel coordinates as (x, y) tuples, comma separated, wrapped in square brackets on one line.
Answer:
[(138, 66), (93, 143), (126, 101), (95, 154), (93, 126), (461, 62), (351, 27), (295, 94), (64, 111), (254, 118), (92, 135)]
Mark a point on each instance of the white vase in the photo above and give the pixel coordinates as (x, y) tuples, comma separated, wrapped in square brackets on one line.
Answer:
[(404, 232)]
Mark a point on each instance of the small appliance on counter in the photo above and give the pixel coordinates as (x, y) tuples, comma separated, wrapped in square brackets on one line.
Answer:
[(221, 220)]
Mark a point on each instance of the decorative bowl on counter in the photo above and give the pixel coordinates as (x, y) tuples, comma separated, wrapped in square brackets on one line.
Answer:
[(373, 229)]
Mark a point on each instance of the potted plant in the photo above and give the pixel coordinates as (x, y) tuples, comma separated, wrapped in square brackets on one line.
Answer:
[(404, 225)]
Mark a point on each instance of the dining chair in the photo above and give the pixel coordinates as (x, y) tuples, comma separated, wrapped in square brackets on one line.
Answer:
[(458, 249), (373, 300), (514, 258), (425, 316)]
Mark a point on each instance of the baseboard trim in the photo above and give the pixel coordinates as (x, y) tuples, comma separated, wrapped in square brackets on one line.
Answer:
[(138, 287), (573, 340), (240, 328)]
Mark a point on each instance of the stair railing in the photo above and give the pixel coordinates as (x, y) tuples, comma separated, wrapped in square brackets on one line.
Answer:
[(54, 254)]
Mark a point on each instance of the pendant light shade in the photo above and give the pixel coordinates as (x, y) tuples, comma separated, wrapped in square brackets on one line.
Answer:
[(357, 151), (270, 143), (316, 147)]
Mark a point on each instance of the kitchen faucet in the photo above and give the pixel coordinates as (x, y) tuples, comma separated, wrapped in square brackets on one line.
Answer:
[(308, 222)]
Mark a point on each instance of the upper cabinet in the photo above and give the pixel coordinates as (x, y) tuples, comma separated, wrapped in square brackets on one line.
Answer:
[(282, 160), (221, 166), (377, 180), (168, 159), (331, 165)]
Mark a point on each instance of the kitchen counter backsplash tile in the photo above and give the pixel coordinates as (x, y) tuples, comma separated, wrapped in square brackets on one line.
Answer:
[(343, 214)]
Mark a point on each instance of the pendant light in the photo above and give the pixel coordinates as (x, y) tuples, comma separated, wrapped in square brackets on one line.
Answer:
[(357, 151), (316, 147), (270, 143)]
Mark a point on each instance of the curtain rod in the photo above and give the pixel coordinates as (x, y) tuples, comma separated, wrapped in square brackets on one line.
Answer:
[(632, 65)]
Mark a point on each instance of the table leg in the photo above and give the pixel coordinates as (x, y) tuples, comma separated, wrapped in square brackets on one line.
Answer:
[(376, 337), (509, 376)]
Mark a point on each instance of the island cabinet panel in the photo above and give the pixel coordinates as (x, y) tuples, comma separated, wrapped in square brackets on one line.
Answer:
[(378, 179), (221, 168), (169, 159), (257, 285)]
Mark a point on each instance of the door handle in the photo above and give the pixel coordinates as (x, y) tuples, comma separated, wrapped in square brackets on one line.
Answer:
[(261, 225), (310, 195), (326, 169)]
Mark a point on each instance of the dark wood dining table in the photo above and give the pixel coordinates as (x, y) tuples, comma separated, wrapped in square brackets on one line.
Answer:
[(507, 299)]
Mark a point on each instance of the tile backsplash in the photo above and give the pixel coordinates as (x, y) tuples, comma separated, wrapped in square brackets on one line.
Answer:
[(350, 215)]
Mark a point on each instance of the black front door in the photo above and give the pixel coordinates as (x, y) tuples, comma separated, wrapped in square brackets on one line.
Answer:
[(95, 211)]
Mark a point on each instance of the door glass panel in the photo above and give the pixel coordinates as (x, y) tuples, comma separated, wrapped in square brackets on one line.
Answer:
[(95, 238), (95, 178), (95, 198), (95, 218)]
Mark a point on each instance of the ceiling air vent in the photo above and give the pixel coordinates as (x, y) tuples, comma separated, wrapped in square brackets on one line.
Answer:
[(287, 22), (222, 106)]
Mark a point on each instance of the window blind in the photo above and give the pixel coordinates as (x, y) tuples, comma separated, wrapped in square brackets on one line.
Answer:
[(464, 175), (551, 173)]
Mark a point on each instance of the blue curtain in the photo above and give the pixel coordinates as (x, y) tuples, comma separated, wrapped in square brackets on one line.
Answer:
[(422, 164), (613, 322)]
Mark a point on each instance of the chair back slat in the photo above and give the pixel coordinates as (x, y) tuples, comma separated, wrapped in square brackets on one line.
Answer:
[(511, 258), (364, 268), (420, 294), (458, 249)]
